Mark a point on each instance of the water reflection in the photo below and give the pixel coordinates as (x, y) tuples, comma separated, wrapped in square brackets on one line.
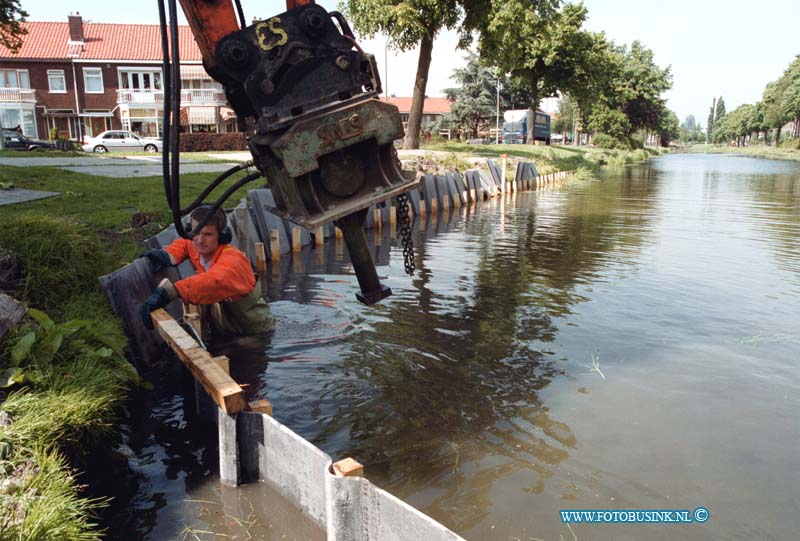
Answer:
[(437, 391)]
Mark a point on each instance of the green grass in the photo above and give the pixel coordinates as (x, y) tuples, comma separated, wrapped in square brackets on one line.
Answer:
[(551, 158), (48, 505), (38, 153), (787, 151), (105, 205)]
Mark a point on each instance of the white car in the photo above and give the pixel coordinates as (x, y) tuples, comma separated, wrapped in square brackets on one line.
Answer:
[(121, 140)]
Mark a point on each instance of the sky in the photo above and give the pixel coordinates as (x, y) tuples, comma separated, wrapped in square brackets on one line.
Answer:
[(727, 48)]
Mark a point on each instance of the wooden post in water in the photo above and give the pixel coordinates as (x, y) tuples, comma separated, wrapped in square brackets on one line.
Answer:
[(261, 258), (297, 242), (348, 467), (275, 245)]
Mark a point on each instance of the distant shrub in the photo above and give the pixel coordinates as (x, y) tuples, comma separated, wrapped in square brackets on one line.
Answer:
[(602, 140), (203, 142), (636, 142)]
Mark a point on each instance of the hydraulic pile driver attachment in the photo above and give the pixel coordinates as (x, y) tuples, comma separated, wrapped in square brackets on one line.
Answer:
[(323, 140)]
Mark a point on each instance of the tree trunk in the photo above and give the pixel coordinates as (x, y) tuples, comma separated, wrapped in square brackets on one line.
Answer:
[(417, 104), (532, 110)]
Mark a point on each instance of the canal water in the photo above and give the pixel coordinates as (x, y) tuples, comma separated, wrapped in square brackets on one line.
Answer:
[(626, 343)]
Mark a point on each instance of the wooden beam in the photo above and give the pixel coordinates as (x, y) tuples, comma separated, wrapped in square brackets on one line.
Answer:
[(219, 385), (223, 362), (261, 406), (347, 467)]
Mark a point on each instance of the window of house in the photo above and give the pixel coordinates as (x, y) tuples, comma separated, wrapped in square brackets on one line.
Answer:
[(93, 80), (56, 80), (15, 79)]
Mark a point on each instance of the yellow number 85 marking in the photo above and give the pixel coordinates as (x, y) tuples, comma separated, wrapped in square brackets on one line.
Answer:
[(263, 36)]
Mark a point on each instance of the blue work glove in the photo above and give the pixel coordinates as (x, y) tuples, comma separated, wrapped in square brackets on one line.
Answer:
[(159, 259), (159, 299)]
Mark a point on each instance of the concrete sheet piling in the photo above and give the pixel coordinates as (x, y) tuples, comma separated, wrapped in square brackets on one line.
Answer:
[(126, 290), (413, 201), (261, 200)]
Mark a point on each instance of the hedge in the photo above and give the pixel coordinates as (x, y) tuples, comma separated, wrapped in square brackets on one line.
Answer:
[(202, 142)]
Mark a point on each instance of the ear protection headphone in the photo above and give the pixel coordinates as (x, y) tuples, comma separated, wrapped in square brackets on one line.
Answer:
[(225, 233)]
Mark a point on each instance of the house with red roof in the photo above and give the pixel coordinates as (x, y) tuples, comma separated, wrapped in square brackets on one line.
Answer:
[(432, 109), (83, 78)]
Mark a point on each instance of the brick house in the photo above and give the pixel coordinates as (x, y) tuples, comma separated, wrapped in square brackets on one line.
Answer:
[(432, 109), (83, 78)]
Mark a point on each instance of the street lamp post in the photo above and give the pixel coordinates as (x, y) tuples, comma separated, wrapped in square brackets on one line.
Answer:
[(497, 114), (386, 69)]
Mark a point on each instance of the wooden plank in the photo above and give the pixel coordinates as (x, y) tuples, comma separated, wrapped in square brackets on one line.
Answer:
[(261, 406), (348, 467), (223, 362), (219, 385)]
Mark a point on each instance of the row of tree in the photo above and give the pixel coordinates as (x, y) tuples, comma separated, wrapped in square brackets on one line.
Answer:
[(538, 49), (763, 121)]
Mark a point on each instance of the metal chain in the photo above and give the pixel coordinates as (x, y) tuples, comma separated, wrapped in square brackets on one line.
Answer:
[(405, 233)]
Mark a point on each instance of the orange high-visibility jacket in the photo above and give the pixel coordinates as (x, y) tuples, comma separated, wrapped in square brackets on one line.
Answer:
[(229, 278)]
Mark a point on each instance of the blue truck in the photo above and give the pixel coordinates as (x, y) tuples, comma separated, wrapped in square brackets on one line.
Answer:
[(515, 127)]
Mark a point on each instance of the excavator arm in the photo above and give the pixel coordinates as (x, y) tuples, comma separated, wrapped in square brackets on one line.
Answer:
[(322, 140)]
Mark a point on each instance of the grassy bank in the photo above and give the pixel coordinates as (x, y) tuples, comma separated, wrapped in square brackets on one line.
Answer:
[(64, 375), (549, 159), (788, 151)]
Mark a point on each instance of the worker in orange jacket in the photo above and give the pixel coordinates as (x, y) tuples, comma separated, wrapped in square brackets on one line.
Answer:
[(224, 276)]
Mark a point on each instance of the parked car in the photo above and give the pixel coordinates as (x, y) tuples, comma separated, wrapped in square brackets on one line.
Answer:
[(121, 140), (17, 141)]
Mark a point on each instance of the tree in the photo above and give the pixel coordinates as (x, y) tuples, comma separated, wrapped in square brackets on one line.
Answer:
[(710, 121), (774, 115), (567, 113), (409, 23), (612, 121), (719, 112), (539, 42), (667, 127), (475, 100), (790, 100), (628, 97), (641, 87), (11, 30), (514, 91)]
